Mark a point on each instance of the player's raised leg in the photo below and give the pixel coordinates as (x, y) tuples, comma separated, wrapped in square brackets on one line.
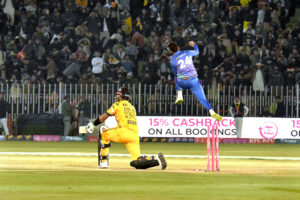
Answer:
[(197, 90)]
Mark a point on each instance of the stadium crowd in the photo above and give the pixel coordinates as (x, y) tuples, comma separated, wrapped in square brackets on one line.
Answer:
[(241, 42)]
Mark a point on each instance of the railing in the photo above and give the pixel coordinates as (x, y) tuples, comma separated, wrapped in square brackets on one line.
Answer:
[(148, 99)]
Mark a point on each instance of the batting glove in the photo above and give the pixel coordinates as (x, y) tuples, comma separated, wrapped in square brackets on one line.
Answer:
[(90, 127)]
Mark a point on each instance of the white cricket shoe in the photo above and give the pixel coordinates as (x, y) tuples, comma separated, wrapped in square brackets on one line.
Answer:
[(104, 164), (217, 117), (179, 98)]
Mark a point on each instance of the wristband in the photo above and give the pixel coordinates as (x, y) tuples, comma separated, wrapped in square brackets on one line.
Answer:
[(97, 122)]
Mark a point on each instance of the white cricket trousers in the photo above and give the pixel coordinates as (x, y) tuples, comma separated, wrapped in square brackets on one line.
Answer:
[(239, 125), (3, 122)]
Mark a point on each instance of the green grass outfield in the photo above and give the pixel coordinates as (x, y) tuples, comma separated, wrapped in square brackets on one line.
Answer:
[(262, 171)]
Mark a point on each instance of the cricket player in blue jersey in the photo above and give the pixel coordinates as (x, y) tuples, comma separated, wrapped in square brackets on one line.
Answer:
[(186, 76)]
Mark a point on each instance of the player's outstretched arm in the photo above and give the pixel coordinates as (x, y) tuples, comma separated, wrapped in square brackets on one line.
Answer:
[(194, 52), (191, 43)]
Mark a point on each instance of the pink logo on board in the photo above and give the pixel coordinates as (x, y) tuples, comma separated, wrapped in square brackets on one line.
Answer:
[(268, 130)]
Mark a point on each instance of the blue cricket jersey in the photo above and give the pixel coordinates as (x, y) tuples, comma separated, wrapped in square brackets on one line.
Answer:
[(182, 63)]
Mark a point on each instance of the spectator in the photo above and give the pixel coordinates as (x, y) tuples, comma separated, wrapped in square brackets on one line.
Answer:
[(85, 43), (266, 112), (64, 55), (289, 79), (128, 64), (28, 49), (15, 90), (38, 48), (137, 39), (131, 50), (80, 55), (276, 77), (4, 108), (97, 63), (51, 70), (278, 108), (73, 67), (120, 53), (8, 38), (229, 77), (130, 79), (146, 79), (258, 80), (3, 21), (56, 21)]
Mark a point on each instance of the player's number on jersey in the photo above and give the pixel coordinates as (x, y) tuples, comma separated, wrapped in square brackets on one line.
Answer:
[(183, 63)]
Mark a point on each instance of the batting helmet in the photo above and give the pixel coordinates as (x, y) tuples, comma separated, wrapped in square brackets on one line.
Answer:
[(124, 93)]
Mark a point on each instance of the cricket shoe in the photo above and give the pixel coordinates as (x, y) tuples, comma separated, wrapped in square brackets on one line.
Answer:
[(103, 165), (179, 100), (162, 161), (217, 117)]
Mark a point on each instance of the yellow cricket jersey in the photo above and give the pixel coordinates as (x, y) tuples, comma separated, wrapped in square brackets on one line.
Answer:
[(125, 114)]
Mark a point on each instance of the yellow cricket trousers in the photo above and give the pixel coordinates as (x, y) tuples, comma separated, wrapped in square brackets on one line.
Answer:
[(122, 135)]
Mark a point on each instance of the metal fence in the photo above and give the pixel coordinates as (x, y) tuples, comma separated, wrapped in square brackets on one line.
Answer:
[(148, 99)]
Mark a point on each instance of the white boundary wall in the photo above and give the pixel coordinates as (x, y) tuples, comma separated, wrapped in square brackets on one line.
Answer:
[(268, 128)]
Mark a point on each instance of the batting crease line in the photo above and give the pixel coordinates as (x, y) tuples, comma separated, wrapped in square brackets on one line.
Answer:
[(168, 156)]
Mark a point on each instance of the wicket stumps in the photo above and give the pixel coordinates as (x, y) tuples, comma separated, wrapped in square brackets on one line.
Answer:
[(213, 142)]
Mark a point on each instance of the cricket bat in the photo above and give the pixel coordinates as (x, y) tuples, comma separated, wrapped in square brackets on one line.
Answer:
[(82, 130)]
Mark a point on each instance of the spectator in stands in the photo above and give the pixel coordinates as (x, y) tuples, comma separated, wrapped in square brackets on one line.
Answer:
[(15, 90), (128, 64), (38, 48), (276, 77), (131, 50), (73, 66), (289, 79), (258, 79), (28, 49), (4, 108), (64, 55), (266, 112), (229, 77), (50, 70), (3, 21), (146, 79), (81, 55), (119, 51), (97, 63), (278, 108)]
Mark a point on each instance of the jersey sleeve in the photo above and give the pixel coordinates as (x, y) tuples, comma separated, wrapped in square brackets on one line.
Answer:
[(113, 109), (194, 52)]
